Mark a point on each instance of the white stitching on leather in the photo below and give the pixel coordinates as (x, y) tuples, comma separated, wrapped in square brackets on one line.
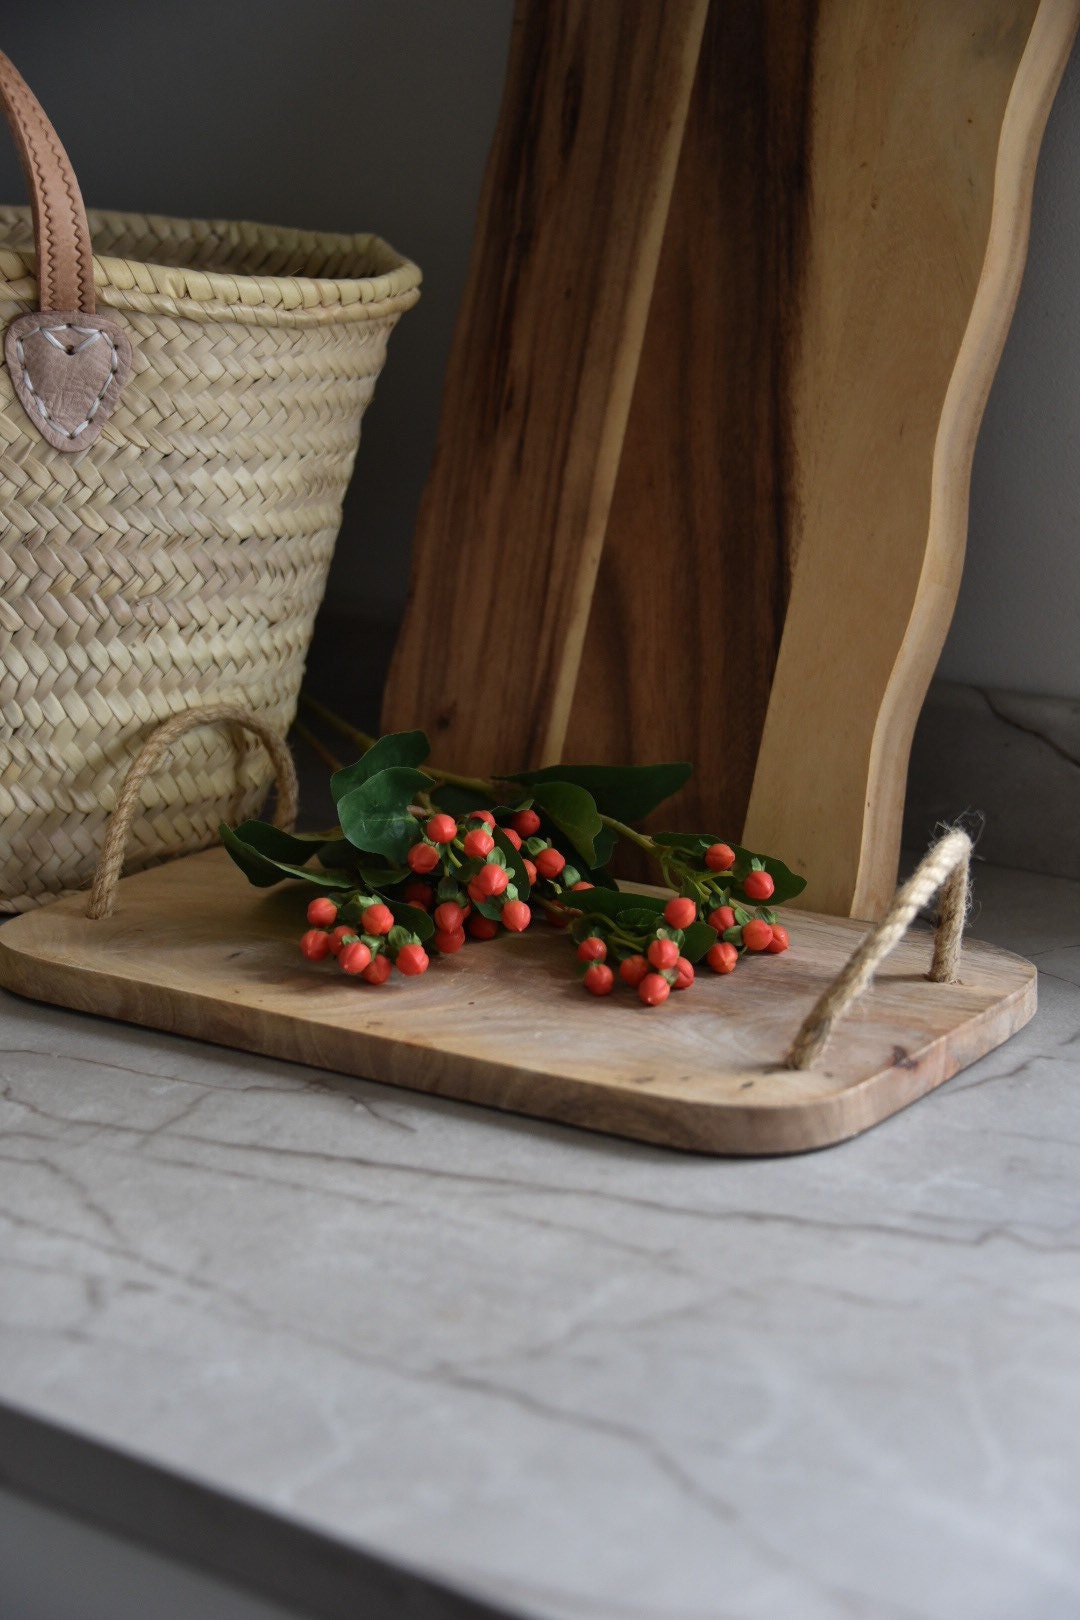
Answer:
[(90, 334)]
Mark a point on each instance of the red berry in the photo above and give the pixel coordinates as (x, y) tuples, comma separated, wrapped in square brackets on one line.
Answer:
[(719, 857), (449, 916), (526, 822), (757, 934), (576, 888), (449, 940), (423, 858), (663, 953), (478, 844), (633, 970), (759, 885), (530, 869), (653, 989), (377, 970), (684, 974), (482, 815), (483, 927), (340, 934), (549, 863), (441, 829), (491, 880), (412, 959), (599, 979), (417, 894), (592, 950), (680, 912), (511, 836), (722, 919), (377, 919), (322, 913), (354, 958), (722, 957), (315, 944), (780, 940), (516, 916)]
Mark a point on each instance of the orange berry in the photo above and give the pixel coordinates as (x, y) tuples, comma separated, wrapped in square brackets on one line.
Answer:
[(423, 858), (780, 940), (322, 913), (719, 857), (549, 863), (663, 953), (684, 974), (478, 844), (757, 934), (722, 957), (449, 940), (633, 970), (315, 944), (377, 970), (759, 886), (377, 919), (722, 919), (516, 916), (599, 979), (526, 823), (354, 958), (448, 916), (441, 829), (412, 959), (653, 989)]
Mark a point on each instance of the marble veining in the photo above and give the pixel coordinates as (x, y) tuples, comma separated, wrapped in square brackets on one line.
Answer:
[(577, 1376)]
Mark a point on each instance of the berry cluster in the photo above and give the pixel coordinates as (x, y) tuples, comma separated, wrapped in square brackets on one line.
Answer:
[(411, 876), (368, 954), (649, 951), (468, 877)]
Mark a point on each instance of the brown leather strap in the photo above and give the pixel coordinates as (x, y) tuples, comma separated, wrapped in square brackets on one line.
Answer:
[(64, 254)]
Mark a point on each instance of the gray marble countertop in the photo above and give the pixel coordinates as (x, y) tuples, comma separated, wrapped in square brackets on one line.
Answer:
[(371, 1349)]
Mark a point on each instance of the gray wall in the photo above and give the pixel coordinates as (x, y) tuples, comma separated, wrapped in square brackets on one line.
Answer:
[(376, 114)]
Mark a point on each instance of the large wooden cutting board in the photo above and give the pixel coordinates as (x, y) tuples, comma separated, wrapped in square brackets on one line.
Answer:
[(192, 949)]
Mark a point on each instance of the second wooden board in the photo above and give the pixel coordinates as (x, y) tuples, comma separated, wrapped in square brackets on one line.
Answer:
[(192, 949)]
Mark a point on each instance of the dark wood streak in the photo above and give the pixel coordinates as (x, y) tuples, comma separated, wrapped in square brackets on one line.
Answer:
[(693, 583), (537, 384)]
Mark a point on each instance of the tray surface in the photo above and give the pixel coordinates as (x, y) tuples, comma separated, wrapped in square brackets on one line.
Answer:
[(193, 949)]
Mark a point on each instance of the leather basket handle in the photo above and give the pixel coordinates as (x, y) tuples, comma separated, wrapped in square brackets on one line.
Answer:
[(65, 259), (67, 364)]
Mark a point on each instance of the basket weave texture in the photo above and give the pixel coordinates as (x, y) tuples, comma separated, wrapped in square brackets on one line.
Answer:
[(181, 558)]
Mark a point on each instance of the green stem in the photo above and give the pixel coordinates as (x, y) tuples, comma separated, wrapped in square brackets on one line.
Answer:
[(642, 840), (321, 752)]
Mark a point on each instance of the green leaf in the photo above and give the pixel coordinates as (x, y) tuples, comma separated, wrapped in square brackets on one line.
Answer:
[(266, 855), (375, 816), (616, 903), (696, 940), (627, 792), (692, 843), (604, 845), (573, 811), (511, 859), (406, 748), (787, 883), (639, 920)]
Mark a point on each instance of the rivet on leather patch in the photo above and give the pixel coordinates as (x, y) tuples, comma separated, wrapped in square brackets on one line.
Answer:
[(67, 370)]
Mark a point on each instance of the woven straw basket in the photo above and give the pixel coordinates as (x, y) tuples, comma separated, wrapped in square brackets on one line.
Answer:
[(179, 415)]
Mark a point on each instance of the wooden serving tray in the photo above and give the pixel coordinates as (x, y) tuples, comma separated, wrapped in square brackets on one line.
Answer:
[(192, 949)]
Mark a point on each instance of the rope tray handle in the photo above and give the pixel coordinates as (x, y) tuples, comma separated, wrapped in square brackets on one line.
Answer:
[(945, 869), (111, 860)]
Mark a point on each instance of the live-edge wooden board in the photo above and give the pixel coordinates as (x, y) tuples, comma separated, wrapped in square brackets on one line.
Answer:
[(192, 949)]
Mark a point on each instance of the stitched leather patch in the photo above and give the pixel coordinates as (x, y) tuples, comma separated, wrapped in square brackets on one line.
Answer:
[(67, 370)]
